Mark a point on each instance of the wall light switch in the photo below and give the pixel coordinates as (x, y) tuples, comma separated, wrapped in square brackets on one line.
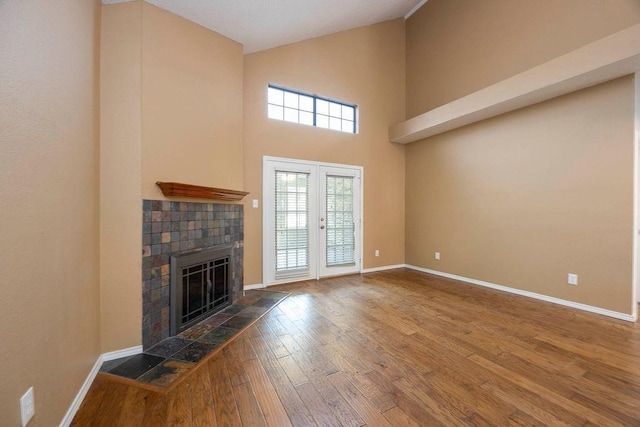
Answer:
[(255, 203), (437, 255), (572, 279), (377, 252)]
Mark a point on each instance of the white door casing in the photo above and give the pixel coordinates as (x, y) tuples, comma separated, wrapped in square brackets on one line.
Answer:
[(339, 222), (297, 219)]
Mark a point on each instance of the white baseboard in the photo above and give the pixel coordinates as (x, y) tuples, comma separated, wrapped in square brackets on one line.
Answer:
[(77, 401), (572, 304), (384, 268), (366, 270), (112, 355)]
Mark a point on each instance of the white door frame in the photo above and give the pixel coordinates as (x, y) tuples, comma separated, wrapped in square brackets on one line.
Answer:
[(636, 197), (356, 174), (267, 206)]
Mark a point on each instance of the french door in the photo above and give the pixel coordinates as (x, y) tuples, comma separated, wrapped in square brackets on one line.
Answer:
[(311, 220)]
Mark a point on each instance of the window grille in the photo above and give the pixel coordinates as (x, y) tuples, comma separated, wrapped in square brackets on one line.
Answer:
[(298, 107)]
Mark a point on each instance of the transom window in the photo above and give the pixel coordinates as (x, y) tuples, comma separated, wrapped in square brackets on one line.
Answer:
[(298, 107)]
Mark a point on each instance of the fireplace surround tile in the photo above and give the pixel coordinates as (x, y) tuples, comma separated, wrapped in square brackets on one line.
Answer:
[(172, 228)]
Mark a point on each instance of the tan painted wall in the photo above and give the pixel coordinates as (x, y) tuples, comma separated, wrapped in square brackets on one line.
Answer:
[(525, 198), (49, 308), (171, 111), (191, 104), (120, 176), (455, 47), (364, 66)]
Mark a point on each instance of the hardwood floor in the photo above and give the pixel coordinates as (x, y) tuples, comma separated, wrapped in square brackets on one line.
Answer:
[(400, 348)]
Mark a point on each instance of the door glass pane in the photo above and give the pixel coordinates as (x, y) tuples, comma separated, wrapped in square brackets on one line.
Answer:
[(340, 224), (292, 221)]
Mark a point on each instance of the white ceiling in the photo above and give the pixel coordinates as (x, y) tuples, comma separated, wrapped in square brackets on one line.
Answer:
[(264, 24)]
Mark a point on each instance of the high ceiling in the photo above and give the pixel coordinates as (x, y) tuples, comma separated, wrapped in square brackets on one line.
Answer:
[(264, 24)]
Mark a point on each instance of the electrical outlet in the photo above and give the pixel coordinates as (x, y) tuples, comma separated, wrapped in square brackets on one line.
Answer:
[(437, 255), (27, 406), (572, 279), (377, 252)]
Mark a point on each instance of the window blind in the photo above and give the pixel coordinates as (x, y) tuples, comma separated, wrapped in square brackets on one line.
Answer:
[(341, 241), (292, 222)]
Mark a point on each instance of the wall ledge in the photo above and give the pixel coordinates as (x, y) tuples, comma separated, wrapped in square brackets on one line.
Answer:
[(609, 58)]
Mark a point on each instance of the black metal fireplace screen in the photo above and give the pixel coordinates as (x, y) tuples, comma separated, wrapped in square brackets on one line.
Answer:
[(200, 286)]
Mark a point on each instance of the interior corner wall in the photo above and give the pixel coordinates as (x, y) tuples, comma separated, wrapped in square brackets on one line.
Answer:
[(49, 128), (524, 198), (171, 110), (364, 66), (120, 176), (191, 104)]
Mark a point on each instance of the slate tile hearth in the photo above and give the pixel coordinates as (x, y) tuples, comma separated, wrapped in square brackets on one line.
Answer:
[(173, 357), (194, 352), (218, 335), (238, 322), (135, 366), (166, 372)]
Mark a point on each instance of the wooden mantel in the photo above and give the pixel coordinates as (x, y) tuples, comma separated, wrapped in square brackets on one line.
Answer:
[(176, 189), (611, 57)]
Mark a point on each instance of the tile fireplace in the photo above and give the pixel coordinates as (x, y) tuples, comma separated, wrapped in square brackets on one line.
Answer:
[(178, 229)]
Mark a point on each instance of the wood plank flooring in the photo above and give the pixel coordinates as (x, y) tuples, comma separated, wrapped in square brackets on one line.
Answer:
[(400, 348)]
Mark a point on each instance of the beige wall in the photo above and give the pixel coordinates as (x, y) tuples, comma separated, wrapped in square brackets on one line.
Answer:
[(455, 47), (364, 66), (191, 104), (524, 198), (171, 111), (120, 176), (49, 308)]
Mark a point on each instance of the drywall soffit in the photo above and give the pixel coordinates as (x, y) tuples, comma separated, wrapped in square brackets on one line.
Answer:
[(611, 57)]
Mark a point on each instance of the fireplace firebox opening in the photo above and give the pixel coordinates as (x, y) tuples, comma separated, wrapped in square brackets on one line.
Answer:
[(201, 284)]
